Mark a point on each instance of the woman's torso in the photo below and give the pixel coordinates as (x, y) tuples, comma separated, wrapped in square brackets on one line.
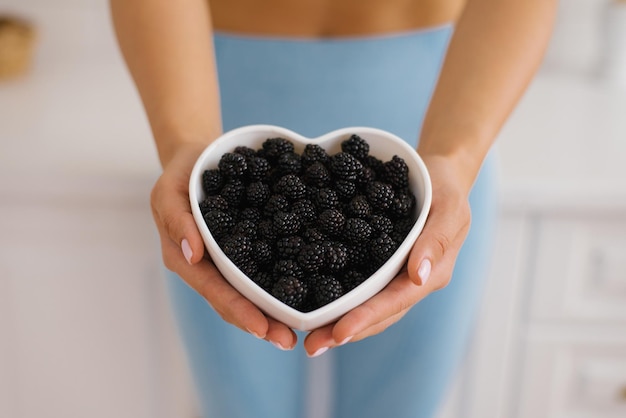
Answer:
[(330, 18)]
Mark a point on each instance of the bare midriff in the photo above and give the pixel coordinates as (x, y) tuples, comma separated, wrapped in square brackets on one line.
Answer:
[(330, 18)]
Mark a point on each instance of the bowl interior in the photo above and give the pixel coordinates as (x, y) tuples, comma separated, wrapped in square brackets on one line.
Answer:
[(383, 145)]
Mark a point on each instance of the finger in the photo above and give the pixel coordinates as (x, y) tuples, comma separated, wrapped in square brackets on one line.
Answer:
[(445, 230), (172, 212), (379, 327), (319, 340), (398, 296), (206, 279), (281, 335)]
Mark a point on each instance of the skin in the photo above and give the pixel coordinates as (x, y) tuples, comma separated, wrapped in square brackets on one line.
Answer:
[(495, 50)]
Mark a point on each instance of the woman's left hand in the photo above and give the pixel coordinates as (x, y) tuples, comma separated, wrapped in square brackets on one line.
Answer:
[(429, 267)]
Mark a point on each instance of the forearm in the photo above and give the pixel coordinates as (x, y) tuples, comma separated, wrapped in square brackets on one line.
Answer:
[(168, 48), (495, 50)]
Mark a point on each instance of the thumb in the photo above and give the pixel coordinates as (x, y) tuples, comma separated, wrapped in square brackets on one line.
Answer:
[(172, 213), (440, 240)]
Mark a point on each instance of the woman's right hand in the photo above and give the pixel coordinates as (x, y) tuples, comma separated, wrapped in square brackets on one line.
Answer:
[(183, 252)]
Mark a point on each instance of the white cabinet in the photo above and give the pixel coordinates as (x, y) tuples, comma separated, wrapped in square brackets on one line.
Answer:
[(551, 342), (84, 329)]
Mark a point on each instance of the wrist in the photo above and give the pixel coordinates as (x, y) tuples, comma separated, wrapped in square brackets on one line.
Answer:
[(170, 144), (462, 165)]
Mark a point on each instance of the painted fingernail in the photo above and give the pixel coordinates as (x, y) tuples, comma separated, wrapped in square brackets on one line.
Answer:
[(255, 334), (184, 245), (345, 341), (319, 352), (278, 345), (424, 271)]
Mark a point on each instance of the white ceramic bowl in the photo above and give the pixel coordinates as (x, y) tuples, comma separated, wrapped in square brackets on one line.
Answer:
[(383, 145)]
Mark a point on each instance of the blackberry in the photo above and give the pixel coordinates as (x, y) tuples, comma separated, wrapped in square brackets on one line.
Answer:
[(375, 164), (233, 192), (247, 228), (368, 175), (216, 202), (312, 235), (357, 230), (381, 224), (358, 256), (287, 248), (326, 289), (382, 248), (264, 279), (291, 187), (219, 223), (289, 163), (401, 228), (249, 267), (287, 268), (345, 190), (311, 257), (237, 248), (291, 291), (266, 231), (262, 253), (345, 166), (275, 147), (358, 207), (212, 181), (257, 194), (356, 146), (314, 153), (371, 267), (232, 165), (351, 279), (380, 195), (250, 214), (305, 209), (312, 192), (286, 223), (335, 255), (316, 175), (275, 203), (332, 221), (401, 205), (326, 198), (247, 152), (396, 172), (258, 169)]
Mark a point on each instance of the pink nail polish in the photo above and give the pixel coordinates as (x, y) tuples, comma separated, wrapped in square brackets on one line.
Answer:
[(255, 334), (187, 252), (424, 271), (345, 341), (278, 345), (319, 352)]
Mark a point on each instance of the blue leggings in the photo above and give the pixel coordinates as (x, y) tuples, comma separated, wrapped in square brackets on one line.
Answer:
[(311, 87)]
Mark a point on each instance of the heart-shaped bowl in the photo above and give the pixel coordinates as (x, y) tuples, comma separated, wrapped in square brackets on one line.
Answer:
[(383, 145)]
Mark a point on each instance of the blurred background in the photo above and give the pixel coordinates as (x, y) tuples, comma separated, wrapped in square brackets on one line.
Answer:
[(85, 329)]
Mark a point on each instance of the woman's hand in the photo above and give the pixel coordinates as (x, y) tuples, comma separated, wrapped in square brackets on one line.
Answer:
[(429, 267), (183, 252)]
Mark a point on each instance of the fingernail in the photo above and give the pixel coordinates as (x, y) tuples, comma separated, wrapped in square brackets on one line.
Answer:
[(278, 345), (424, 271), (319, 352), (255, 334), (184, 245), (346, 340)]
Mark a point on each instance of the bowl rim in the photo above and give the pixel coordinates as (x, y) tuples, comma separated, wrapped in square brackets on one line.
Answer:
[(290, 316)]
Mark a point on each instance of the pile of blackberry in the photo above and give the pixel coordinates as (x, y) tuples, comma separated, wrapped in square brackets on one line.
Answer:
[(308, 227)]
